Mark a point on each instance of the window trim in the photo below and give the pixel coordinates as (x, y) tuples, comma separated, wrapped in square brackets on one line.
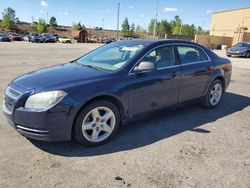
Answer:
[(195, 62), (131, 72)]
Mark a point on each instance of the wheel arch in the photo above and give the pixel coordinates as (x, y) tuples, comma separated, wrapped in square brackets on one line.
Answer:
[(222, 79), (105, 97)]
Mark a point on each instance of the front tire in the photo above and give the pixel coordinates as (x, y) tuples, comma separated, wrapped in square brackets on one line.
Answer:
[(248, 55), (214, 94), (97, 123)]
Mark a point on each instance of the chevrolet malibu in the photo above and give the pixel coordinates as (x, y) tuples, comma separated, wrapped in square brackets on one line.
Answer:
[(90, 97)]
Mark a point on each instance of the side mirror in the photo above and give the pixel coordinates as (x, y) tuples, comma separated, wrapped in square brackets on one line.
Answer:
[(144, 66)]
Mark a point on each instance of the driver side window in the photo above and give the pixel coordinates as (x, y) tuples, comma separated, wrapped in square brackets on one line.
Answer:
[(162, 57)]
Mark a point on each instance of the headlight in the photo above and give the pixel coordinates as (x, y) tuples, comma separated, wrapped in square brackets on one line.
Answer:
[(45, 100)]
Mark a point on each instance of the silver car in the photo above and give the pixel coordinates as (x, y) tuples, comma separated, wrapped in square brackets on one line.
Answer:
[(241, 49)]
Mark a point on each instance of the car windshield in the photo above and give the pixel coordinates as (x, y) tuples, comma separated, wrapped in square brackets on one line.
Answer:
[(241, 45), (112, 56)]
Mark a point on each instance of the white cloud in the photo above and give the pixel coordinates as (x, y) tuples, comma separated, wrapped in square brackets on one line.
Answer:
[(141, 15), (41, 11), (209, 11), (63, 13), (170, 9), (44, 3), (130, 7)]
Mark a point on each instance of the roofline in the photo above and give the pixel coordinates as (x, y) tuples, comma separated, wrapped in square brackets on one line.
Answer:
[(231, 10)]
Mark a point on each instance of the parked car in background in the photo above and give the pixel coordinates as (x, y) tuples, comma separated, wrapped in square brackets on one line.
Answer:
[(35, 37), (4, 38), (241, 50), (47, 39), (27, 38), (90, 97), (56, 36), (15, 37), (109, 40), (64, 39)]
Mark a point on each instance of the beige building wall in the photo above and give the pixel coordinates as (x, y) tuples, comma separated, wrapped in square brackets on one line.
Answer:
[(227, 23)]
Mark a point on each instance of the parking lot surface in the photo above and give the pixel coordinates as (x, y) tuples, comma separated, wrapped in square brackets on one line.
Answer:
[(187, 147)]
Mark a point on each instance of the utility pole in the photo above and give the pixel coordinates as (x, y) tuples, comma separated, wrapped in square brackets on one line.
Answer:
[(103, 24), (47, 17), (103, 28), (156, 14), (118, 17)]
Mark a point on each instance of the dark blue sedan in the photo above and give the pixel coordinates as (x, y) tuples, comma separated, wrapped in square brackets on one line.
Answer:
[(90, 97)]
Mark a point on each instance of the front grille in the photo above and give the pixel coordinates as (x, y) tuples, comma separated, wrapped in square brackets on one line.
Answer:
[(12, 93), (10, 98)]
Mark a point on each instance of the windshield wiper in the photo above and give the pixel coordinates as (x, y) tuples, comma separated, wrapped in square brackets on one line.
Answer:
[(93, 67)]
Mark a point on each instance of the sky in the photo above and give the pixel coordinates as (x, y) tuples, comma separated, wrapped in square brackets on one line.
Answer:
[(96, 13)]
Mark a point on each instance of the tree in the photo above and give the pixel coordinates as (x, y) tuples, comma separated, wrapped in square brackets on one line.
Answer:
[(33, 22), (76, 26), (9, 18), (151, 27), (41, 26), (52, 22), (164, 28), (125, 27), (176, 25), (140, 31), (132, 29), (188, 30)]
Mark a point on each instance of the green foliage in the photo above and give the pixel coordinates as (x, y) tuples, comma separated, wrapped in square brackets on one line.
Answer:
[(200, 31), (151, 26), (125, 27), (9, 18), (128, 30), (132, 29), (41, 26), (77, 26), (52, 22), (175, 27), (164, 28), (140, 32)]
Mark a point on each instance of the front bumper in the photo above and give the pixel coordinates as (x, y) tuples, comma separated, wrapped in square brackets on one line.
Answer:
[(54, 124), (47, 126), (238, 54)]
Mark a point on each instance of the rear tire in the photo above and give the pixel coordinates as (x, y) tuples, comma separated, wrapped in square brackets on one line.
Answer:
[(214, 94), (228, 55), (96, 123)]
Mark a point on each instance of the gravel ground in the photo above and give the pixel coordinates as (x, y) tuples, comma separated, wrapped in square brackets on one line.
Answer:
[(187, 147)]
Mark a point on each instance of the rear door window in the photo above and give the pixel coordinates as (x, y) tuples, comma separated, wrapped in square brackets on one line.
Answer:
[(190, 54)]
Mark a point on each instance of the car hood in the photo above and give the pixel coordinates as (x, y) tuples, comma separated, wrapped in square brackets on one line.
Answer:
[(237, 48), (58, 76)]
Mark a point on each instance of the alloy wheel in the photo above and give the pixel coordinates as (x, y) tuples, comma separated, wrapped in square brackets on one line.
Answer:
[(215, 94), (98, 124)]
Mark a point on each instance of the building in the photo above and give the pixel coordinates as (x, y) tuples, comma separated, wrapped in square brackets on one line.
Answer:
[(232, 23)]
